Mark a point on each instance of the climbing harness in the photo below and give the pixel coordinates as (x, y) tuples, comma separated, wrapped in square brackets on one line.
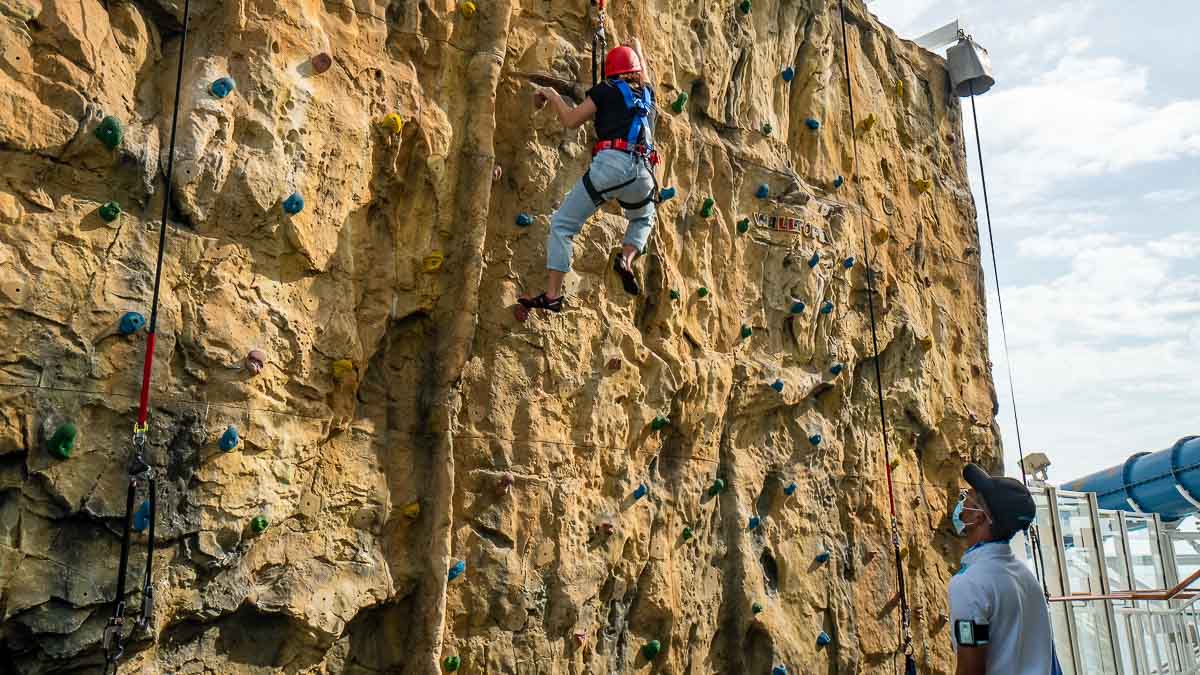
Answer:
[(140, 472), (906, 638), (639, 143), (599, 44)]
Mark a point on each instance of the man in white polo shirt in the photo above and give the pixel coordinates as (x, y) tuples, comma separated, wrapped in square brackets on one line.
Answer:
[(997, 608)]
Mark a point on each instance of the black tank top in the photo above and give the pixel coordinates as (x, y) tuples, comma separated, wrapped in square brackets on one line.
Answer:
[(612, 117)]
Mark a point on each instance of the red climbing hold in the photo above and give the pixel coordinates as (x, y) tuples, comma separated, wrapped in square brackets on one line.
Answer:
[(256, 359), (321, 62), (506, 483), (614, 363)]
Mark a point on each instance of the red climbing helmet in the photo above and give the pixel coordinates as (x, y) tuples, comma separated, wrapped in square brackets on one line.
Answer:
[(622, 60)]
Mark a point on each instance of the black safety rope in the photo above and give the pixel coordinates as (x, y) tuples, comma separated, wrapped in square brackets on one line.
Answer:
[(910, 666), (1034, 535), (139, 470), (599, 45)]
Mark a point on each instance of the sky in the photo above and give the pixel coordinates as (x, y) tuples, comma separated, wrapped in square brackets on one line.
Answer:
[(1091, 142)]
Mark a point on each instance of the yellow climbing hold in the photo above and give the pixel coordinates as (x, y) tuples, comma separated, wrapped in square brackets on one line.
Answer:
[(867, 123), (467, 8), (881, 236), (342, 368), (927, 342), (393, 123), (923, 185), (433, 261), (411, 510), (900, 88), (895, 463)]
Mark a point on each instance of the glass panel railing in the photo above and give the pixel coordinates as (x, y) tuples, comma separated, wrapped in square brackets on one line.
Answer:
[(1115, 566), (1145, 558)]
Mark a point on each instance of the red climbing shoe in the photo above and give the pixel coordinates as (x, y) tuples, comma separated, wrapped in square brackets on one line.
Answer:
[(542, 302), (627, 279)]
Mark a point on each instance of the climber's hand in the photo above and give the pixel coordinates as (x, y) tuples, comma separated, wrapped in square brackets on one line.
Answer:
[(543, 94)]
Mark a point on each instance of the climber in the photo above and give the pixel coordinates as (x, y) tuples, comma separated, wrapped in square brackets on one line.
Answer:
[(998, 612), (623, 161)]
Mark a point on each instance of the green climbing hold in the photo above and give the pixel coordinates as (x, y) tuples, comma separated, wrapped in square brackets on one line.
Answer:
[(745, 6), (687, 533), (62, 442), (652, 648), (109, 132), (702, 292), (110, 211), (716, 488), (707, 209), (679, 102), (451, 663), (743, 225), (747, 331), (659, 422), (767, 128), (259, 524), (674, 294), (757, 608)]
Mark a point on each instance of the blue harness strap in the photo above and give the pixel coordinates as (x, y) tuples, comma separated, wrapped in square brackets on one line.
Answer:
[(640, 107)]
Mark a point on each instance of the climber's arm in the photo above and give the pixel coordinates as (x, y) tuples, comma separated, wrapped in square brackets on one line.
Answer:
[(571, 118), (637, 47)]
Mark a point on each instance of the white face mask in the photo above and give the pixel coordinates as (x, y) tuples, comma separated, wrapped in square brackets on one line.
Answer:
[(960, 528)]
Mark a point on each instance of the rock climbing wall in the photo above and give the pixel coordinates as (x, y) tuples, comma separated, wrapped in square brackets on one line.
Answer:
[(415, 480)]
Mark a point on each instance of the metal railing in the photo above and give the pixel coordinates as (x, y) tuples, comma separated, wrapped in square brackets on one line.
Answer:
[(1161, 641)]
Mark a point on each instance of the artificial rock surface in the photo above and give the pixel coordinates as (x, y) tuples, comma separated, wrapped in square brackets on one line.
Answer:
[(446, 393)]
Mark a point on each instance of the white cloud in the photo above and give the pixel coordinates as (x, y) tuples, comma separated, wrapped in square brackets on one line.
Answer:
[(1171, 196)]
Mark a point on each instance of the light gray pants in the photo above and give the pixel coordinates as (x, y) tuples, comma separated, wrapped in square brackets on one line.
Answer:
[(609, 168)]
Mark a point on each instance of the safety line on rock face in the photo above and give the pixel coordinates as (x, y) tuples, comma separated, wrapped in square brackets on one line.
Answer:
[(905, 628), (139, 470), (1035, 535)]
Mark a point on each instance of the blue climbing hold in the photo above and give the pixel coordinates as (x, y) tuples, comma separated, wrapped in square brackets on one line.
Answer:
[(641, 491), (665, 194), (229, 439), (788, 74), (827, 308), (779, 670), (815, 439), (816, 258), (293, 204), (837, 368), (777, 385), (221, 87), (524, 220), (141, 519), (131, 322), (797, 307), (838, 182), (823, 639), (790, 489), (812, 123), (754, 523), (763, 191), (457, 569), (848, 262), (823, 557)]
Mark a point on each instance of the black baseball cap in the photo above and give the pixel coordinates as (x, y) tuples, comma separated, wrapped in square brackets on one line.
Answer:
[(1007, 499)]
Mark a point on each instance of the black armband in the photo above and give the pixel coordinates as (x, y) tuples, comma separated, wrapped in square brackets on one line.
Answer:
[(970, 634)]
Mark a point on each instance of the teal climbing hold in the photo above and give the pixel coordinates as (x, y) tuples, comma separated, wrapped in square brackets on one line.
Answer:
[(451, 663), (747, 331), (848, 262), (221, 87), (814, 260), (131, 322), (779, 670), (680, 101), (763, 191), (640, 492), (293, 204), (767, 128), (665, 194), (812, 123), (659, 422), (797, 307), (652, 648), (745, 6), (827, 307), (743, 226), (109, 132), (823, 639), (754, 523), (757, 608), (815, 439), (524, 220), (456, 570), (687, 533), (707, 210), (259, 524), (674, 294), (62, 441), (109, 212), (823, 556), (838, 182), (837, 368), (790, 489), (716, 488), (229, 439), (788, 74), (777, 385), (141, 519)]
